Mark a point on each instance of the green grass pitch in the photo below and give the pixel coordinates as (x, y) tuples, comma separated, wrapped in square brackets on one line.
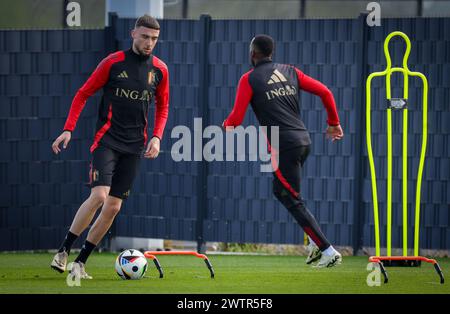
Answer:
[(30, 273)]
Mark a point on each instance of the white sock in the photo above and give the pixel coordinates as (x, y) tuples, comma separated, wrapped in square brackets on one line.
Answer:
[(311, 241), (330, 251)]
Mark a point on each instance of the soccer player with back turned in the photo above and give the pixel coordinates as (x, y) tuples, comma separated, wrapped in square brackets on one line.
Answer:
[(272, 90), (130, 79)]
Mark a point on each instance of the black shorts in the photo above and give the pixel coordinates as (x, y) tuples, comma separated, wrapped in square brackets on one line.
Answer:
[(115, 169), (286, 180)]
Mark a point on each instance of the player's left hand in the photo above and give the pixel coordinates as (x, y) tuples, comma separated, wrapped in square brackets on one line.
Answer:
[(153, 148), (334, 133)]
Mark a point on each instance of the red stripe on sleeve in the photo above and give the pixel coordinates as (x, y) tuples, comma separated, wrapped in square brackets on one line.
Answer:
[(161, 99), (244, 95), (96, 81), (315, 87)]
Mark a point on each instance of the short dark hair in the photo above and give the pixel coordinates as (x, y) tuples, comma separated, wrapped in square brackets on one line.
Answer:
[(263, 44), (147, 21)]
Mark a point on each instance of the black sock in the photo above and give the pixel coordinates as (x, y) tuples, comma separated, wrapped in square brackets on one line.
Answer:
[(68, 242), (86, 250)]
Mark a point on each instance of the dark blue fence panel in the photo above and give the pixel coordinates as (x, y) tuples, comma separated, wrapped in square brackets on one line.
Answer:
[(40, 73), (240, 202)]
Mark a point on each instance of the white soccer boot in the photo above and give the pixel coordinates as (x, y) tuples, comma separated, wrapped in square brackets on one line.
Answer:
[(78, 271), (329, 260), (314, 253)]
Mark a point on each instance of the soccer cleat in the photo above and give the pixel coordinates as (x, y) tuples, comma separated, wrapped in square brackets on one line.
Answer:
[(78, 271), (329, 261), (314, 253), (59, 262)]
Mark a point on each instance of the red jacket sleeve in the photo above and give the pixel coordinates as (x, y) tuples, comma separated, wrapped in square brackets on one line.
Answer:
[(161, 100), (96, 81), (244, 95), (317, 88)]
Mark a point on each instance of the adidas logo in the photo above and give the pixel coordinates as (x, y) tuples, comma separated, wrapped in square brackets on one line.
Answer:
[(276, 77), (123, 74)]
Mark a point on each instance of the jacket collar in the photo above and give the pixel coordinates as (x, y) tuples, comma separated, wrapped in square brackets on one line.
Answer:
[(263, 61)]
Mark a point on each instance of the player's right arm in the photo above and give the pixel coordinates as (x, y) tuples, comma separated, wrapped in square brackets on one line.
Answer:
[(95, 81)]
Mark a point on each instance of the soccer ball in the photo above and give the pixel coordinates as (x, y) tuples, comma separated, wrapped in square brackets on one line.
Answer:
[(131, 264)]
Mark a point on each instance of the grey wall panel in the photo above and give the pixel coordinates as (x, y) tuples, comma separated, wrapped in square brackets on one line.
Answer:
[(41, 70)]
